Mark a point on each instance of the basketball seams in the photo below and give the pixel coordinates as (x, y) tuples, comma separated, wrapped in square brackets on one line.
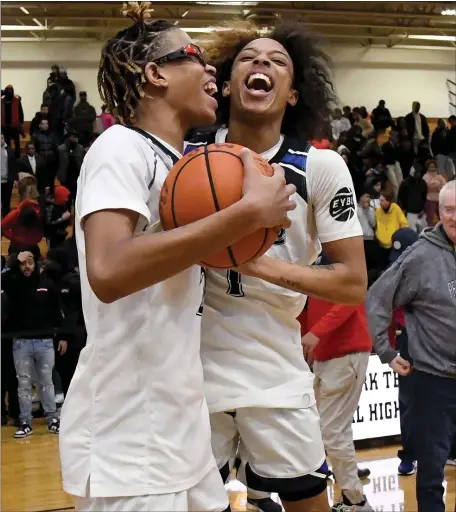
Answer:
[(265, 239), (173, 213), (214, 195), (211, 180)]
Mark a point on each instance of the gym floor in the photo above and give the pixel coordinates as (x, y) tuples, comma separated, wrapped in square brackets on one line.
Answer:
[(31, 480)]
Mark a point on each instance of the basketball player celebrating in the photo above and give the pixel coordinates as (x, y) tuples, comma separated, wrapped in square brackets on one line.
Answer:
[(135, 432), (275, 96)]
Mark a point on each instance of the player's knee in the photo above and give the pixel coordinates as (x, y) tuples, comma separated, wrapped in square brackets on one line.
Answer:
[(225, 472), (289, 489)]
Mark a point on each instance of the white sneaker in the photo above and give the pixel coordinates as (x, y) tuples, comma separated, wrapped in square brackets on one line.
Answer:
[(343, 507), (59, 398), (451, 462)]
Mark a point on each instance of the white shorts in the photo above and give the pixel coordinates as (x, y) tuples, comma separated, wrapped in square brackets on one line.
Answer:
[(279, 445), (208, 495)]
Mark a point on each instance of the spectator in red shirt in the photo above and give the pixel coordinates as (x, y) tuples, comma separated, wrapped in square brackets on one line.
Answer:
[(23, 226), (336, 338)]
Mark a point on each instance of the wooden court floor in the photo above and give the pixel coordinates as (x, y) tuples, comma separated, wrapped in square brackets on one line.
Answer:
[(31, 477)]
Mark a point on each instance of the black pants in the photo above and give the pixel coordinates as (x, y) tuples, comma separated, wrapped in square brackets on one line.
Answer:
[(405, 390), (9, 380), (7, 192), (433, 414), (371, 250), (383, 257), (453, 450), (12, 134)]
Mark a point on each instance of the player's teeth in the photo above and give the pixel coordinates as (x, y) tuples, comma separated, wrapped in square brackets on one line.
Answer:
[(259, 76), (210, 88)]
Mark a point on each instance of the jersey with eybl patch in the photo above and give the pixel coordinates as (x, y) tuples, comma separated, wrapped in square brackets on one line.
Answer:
[(244, 308)]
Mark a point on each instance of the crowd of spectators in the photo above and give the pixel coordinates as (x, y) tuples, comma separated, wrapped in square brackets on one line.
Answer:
[(397, 182), (42, 322)]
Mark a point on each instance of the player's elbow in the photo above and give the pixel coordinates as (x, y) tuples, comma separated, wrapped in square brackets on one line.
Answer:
[(103, 283), (355, 290)]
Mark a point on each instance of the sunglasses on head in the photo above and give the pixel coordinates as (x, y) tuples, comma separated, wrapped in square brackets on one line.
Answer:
[(191, 51)]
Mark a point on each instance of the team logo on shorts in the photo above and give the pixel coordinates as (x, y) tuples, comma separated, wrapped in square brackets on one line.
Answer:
[(342, 207)]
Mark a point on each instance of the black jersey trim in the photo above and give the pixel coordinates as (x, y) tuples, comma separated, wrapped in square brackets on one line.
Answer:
[(157, 143)]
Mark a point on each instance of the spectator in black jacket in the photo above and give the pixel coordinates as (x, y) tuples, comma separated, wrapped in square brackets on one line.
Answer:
[(42, 114), (417, 125), (84, 119), (8, 374), (441, 149), (33, 164), (71, 155), (34, 317), (67, 85), (54, 75), (66, 281), (401, 126), (452, 139), (51, 98), (407, 155), (66, 107), (412, 199), (46, 147), (381, 117)]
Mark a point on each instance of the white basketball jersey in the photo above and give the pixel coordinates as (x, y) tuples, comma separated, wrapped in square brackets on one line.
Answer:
[(251, 343), (135, 421)]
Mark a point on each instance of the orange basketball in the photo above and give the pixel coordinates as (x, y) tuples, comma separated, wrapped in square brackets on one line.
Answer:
[(205, 181)]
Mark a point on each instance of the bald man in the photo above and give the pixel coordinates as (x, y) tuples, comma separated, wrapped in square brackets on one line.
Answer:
[(423, 281)]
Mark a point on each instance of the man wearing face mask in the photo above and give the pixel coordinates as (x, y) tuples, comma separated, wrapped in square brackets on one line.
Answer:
[(12, 118), (71, 155)]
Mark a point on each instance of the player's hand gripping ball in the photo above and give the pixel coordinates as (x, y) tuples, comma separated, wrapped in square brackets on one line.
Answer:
[(205, 181)]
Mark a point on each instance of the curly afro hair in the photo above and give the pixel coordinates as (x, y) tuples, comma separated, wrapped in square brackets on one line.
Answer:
[(312, 76)]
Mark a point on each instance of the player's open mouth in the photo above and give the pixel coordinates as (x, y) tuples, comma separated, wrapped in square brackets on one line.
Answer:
[(210, 88), (259, 84)]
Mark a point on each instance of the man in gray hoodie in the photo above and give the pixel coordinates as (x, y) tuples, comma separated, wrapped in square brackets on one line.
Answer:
[(423, 281)]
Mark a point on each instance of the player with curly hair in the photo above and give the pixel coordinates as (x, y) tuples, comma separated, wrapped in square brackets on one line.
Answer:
[(275, 96), (135, 432)]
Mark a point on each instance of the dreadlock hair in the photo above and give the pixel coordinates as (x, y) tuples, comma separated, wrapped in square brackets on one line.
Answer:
[(121, 75), (312, 77)]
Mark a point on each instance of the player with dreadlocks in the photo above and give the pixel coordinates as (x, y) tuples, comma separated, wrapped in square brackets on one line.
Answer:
[(275, 95), (135, 432)]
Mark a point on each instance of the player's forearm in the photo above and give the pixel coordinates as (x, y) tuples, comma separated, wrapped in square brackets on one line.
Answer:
[(335, 283), (140, 262)]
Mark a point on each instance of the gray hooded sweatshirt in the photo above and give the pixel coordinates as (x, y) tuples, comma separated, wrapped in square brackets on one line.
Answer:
[(423, 281)]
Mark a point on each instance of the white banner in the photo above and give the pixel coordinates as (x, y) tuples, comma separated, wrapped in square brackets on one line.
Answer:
[(378, 410)]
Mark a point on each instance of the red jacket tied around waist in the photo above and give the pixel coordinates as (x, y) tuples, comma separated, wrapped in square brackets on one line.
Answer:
[(342, 329)]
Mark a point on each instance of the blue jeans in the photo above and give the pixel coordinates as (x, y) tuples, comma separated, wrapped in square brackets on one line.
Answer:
[(433, 413), (37, 354)]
